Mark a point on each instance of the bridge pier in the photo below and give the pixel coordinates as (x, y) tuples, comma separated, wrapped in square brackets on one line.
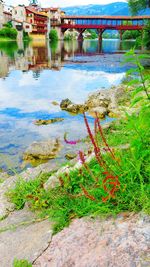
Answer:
[(80, 36), (121, 33), (100, 34)]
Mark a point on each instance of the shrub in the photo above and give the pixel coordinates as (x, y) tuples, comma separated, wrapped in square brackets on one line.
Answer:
[(53, 35), (127, 35), (26, 36), (8, 33)]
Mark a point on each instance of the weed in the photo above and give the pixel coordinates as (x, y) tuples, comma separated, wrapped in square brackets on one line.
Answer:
[(21, 263)]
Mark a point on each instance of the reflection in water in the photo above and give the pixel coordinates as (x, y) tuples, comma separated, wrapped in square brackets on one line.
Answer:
[(35, 74)]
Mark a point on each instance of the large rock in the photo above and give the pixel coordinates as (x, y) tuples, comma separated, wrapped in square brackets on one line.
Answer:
[(42, 150), (101, 112), (65, 103), (107, 98), (98, 99), (22, 237), (76, 108), (120, 242), (31, 173)]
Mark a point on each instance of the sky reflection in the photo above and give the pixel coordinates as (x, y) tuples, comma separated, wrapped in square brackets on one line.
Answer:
[(32, 79)]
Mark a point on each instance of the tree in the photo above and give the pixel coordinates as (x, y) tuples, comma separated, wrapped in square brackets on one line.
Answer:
[(137, 5), (127, 35), (53, 36)]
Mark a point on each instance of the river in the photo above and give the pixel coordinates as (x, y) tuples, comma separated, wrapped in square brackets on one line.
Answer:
[(34, 75)]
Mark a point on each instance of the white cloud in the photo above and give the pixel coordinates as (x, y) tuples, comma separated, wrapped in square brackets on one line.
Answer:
[(63, 3)]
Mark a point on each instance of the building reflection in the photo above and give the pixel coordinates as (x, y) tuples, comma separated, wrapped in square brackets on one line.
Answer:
[(38, 56)]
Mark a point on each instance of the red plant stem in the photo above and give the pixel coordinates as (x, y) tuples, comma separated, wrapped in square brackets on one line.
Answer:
[(81, 155), (96, 148), (87, 194), (103, 137)]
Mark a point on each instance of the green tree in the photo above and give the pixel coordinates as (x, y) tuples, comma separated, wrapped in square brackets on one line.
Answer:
[(137, 5), (8, 33), (127, 35), (53, 36)]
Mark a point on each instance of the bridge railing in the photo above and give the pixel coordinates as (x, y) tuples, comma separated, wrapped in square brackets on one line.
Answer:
[(104, 21)]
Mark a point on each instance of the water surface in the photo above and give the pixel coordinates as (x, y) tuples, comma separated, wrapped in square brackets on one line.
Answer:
[(33, 75)]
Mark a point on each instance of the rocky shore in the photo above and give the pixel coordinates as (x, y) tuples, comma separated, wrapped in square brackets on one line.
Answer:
[(114, 242), (105, 102)]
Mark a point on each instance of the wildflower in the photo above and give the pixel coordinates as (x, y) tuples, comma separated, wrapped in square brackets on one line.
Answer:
[(70, 142)]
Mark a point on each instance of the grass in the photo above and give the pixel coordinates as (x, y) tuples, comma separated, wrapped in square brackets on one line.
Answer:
[(21, 263), (70, 200)]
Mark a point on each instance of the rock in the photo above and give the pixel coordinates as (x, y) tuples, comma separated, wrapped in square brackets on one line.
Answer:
[(52, 182), (113, 113), (46, 122), (76, 108), (21, 238), (31, 173), (70, 156), (55, 103), (98, 99), (123, 241), (72, 108), (65, 103), (42, 150), (101, 112)]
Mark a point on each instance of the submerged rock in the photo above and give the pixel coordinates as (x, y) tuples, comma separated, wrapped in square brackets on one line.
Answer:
[(70, 156), (43, 150), (55, 103), (46, 122)]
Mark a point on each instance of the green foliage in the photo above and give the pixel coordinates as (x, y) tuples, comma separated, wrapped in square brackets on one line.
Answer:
[(7, 32), (9, 48), (69, 37), (146, 39), (21, 263), (67, 201), (53, 36), (110, 35), (26, 36), (137, 5), (8, 24), (93, 34), (127, 35), (142, 91)]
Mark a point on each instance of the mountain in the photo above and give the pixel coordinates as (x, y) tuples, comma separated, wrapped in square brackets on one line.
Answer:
[(118, 8)]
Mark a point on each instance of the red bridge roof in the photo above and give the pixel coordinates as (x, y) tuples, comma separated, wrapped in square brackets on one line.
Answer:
[(106, 17)]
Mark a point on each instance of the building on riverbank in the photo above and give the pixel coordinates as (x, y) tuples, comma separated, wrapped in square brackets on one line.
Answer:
[(32, 19)]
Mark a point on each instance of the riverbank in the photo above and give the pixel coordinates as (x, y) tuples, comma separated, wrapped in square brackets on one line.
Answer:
[(79, 189), (109, 180)]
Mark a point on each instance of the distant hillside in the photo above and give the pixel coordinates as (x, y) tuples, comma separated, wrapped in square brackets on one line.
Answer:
[(118, 8)]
